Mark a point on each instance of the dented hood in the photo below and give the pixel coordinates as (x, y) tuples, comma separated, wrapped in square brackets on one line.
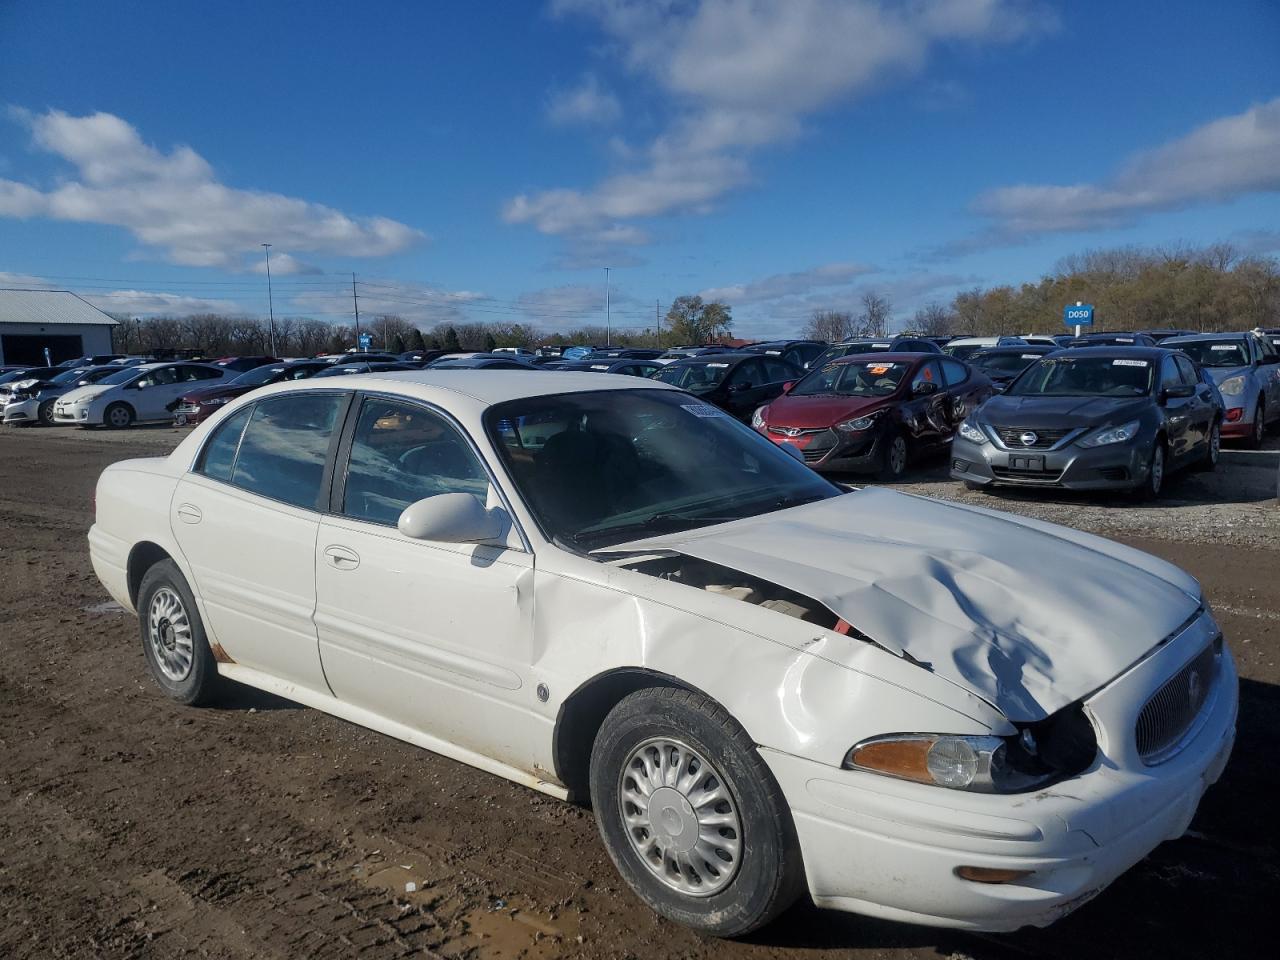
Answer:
[(1027, 615)]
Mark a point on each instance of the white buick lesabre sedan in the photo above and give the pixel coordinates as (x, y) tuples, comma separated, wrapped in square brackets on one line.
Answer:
[(603, 588)]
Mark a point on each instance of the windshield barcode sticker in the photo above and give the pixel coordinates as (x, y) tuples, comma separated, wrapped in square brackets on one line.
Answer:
[(717, 365), (1223, 346), (701, 410), (1128, 363)]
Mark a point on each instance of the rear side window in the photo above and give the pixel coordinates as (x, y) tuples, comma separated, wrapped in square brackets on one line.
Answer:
[(402, 453), (954, 372), (283, 451), (219, 454)]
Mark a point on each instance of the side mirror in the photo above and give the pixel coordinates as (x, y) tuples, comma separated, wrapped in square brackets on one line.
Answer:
[(452, 518), (998, 386), (1180, 391), (924, 388), (786, 387)]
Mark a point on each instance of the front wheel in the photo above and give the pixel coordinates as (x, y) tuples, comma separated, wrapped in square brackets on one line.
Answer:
[(1151, 487), (893, 456), (45, 414), (118, 416), (173, 637), (1259, 431), (1213, 451), (690, 814)]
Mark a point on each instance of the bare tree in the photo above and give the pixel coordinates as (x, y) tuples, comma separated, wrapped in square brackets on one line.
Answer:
[(933, 320), (876, 313), (830, 325)]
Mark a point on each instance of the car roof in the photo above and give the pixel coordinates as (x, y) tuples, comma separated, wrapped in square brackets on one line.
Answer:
[(1116, 351), (486, 387), (733, 356), (880, 356), (1202, 337)]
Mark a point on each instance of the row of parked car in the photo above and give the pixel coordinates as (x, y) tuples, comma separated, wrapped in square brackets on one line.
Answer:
[(1103, 411)]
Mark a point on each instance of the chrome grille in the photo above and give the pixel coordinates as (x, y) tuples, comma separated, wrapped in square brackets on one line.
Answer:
[(1012, 437), (1170, 713)]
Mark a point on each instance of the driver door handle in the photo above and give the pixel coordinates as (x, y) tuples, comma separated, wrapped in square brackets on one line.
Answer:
[(343, 558)]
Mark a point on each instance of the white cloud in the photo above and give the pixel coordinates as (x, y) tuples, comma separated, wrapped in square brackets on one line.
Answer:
[(745, 75), (1227, 158), (788, 284), (284, 265), (8, 279), (421, 303), (174, 203), (149, 302), (588, 102)]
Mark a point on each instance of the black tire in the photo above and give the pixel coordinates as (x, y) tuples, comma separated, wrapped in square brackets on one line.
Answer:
[(199, 684), (767, 874), (1259, 431), (1157, 472), (45, 414), (1213, 449), (895, 454), (118, 416)]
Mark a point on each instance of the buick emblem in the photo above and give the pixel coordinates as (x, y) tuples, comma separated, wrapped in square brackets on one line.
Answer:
[(793, 431), (1193, 688), (1029, 438)]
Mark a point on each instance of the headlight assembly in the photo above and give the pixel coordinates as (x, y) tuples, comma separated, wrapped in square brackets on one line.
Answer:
[(1232, 386), (858, 424), (980, 764), (972, 433), (757, 418), (1120, 434)]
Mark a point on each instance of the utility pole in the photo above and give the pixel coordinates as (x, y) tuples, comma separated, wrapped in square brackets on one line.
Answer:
[(608, 312), (355, 301), (271, 306), (657, 320)]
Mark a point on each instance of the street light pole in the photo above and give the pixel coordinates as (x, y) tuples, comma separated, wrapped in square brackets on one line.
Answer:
[(271, 306), (608, 312)]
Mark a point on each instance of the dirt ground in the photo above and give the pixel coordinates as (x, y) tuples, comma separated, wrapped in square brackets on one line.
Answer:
[(132, 827)]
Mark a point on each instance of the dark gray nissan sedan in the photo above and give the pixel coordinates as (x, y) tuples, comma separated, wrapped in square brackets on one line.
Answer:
[(1094, 418)]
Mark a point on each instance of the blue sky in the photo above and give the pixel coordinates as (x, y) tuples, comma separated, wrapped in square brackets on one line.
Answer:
[(486, 161)]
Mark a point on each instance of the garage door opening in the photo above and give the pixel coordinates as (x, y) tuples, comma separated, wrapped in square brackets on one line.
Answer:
[(29, 350)]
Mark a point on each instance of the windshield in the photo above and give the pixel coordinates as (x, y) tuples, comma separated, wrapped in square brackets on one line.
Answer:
[(858, 378), (124, 376), (1084, 377), (1005, 362), (964, 351), (1213, 353), (606, 467), (695, 377), (13, 375), (258, 376), (70, 376)]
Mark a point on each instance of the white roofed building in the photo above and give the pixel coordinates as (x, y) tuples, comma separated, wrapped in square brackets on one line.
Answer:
[(67, 326)]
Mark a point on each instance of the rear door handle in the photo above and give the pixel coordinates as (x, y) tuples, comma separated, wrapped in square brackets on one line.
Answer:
[(189, 513), (343, 558)]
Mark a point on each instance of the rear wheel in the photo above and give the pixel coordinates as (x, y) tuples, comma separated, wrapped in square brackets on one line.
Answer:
[(893, 456), (173, 637), (118, 416), (690, 814)]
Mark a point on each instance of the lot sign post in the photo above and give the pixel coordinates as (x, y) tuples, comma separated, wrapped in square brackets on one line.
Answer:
[(1081, 315)]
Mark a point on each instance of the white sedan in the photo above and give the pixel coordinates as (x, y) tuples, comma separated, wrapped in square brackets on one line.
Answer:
[(762, 683), (136, 394)]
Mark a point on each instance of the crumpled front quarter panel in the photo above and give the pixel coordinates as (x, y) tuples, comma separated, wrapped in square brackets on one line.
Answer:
[(794, 686)]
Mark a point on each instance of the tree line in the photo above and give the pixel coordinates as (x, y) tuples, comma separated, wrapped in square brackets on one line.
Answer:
[(1196, 288)]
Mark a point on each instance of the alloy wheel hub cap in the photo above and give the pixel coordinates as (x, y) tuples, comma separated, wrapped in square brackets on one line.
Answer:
[(680, 818)]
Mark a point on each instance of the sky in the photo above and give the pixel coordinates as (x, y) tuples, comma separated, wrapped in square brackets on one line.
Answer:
[(487, 161)]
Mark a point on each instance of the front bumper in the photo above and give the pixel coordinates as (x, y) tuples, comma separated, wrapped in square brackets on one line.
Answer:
[(1118, 466), (1240, 427), (79, 413), (890, 848), (834, 451), (24, 411), (189, 414)]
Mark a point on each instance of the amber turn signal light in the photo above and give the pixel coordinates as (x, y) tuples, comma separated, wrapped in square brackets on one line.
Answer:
[(991, 874)]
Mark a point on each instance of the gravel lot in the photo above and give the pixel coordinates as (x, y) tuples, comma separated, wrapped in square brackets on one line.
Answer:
[(131, 827)]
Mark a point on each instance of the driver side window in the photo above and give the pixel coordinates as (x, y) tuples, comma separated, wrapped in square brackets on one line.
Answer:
[(402, 453), (1169, 374), (748, 374), (928, 373)]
